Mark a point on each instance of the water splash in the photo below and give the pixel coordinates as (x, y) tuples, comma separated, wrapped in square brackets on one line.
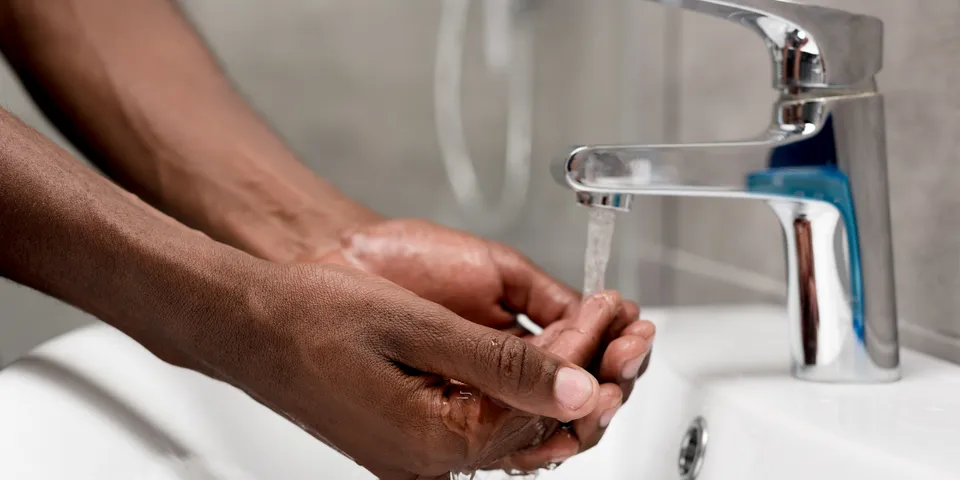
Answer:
[(599, 238), (495, 476)]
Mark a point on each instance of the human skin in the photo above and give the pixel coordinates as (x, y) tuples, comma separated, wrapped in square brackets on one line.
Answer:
[(132, 86), (354, 359)]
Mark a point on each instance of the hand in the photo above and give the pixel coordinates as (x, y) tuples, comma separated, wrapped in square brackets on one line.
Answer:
[(486, 282), (490, 283), (578, 339), (363, 364)]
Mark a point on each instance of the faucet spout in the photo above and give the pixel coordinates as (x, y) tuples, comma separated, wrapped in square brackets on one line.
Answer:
[(823, 172)]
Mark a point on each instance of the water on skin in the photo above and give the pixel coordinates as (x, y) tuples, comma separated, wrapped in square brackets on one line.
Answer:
[(599, 239), (493, 476), (492, 428)]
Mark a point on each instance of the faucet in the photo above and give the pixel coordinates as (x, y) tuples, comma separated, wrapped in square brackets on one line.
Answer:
[(825, 179)]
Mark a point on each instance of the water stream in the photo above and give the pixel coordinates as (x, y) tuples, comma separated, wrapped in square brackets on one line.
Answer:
[(597, 256), (599, 239)]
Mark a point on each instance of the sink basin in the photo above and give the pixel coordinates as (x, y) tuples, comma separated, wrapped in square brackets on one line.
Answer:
[(94, 405)]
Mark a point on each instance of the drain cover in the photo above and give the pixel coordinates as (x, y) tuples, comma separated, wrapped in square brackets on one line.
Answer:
[(692, 448)]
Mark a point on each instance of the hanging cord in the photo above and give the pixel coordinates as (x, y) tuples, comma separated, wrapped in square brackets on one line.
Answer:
[(458, 164)]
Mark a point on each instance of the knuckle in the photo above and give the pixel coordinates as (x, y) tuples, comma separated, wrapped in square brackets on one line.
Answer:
[(515, 361)]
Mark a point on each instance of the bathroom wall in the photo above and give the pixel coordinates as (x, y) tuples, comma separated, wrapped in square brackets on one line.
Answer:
[(349, 85)]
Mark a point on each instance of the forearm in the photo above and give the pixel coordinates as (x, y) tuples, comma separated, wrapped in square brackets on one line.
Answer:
[(132, 85), (68, 232)]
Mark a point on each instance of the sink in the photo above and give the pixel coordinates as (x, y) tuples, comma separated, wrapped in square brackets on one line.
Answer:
[(94, 405)]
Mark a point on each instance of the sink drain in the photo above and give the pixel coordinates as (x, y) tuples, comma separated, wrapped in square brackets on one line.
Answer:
[(692, 448)]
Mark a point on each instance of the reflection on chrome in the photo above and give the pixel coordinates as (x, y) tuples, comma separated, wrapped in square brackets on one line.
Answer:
[(824, 175)]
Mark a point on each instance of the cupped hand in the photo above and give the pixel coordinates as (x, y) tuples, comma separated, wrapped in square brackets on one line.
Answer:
[(490, 283), (579, 339), (366, 366), (483, 281)]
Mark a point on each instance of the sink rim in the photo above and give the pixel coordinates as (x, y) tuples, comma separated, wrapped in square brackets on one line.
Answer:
[(907, 421), (685, 336)]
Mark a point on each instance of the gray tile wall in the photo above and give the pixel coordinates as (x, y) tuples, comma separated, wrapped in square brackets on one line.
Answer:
[(348, 83)]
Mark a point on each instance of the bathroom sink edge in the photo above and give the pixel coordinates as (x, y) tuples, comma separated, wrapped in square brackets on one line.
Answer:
[(910, 424)]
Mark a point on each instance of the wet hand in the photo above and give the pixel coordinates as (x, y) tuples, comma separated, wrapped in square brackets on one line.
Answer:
[(364, 365), (578, 339), (483, 281), (486, 282)]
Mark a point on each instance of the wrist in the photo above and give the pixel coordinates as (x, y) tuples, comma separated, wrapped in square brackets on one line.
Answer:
[(277, 210), (295, 231), (167, 286)]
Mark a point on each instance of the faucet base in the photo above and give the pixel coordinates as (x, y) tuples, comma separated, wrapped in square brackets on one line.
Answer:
[(831, 374), (835, 339)]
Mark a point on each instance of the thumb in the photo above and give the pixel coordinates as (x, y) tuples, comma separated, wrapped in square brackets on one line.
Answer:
[(503, 366)]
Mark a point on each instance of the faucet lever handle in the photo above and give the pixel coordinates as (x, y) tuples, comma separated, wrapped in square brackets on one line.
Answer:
[(810, 46)]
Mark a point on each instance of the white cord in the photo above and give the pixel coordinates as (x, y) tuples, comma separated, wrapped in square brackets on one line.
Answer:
[(498, 33), (459, 166)]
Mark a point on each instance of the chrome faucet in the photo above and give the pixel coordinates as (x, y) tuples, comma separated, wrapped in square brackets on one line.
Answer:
[(825, 179)]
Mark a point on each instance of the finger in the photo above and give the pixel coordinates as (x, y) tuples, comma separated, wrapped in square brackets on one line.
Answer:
[(618, 363), (529, 290), (623, 358), (629, 314), (643, 328), (648, 331), (580, 339), (556, 450), (590, 429), (550, 333), (501, 365)]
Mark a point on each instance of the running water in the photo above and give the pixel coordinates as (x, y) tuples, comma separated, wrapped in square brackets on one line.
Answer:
[(599, 238)]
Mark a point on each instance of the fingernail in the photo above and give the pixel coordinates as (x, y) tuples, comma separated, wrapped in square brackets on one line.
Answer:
[(632, 368), (573, 388), (607, 416)]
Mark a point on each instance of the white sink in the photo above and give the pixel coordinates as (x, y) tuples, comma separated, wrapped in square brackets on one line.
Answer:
[(93, 405)]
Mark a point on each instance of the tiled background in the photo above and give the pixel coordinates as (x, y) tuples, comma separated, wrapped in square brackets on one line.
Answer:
[(349, 84)]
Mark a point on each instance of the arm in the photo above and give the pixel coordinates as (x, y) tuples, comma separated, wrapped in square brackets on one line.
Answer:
[(295, 337), (133, 87), (68, 232)]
